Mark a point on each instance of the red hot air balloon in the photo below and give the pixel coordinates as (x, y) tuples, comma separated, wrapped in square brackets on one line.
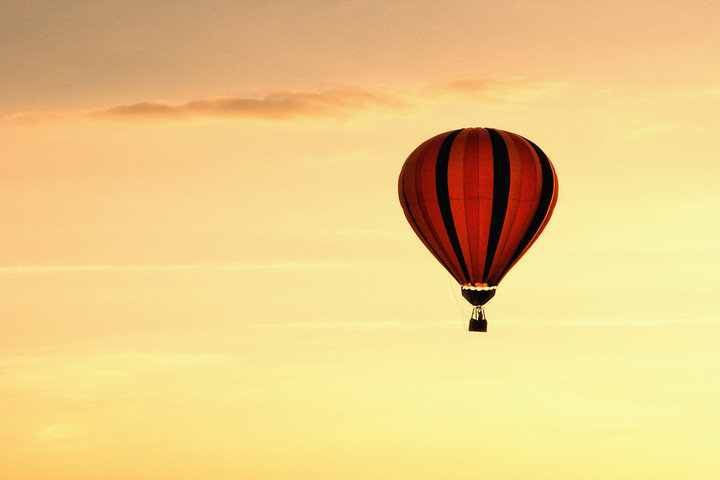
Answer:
[(478, 198)]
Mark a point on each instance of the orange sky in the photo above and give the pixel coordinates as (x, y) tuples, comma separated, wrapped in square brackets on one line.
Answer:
[(205, 272)]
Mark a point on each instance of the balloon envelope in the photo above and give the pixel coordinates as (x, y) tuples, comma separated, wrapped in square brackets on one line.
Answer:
[(478, 198)]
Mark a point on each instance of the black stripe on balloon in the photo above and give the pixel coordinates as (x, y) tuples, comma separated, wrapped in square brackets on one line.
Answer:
[(415, 223), (501, 190), (443, 194), (546, 194)]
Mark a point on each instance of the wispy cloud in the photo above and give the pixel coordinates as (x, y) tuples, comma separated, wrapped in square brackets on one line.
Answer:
[(58, 432), (634, 321), (320, 264), (91, 377), (277, 106), (496, 89), (273, 106)]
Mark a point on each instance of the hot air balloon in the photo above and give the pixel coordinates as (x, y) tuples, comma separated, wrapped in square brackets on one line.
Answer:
[(478, 198)]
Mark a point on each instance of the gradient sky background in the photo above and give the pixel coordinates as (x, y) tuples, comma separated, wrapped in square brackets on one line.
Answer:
[(205, 272)]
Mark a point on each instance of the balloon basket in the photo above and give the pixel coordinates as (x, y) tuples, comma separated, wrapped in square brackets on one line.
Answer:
[(477, 325), (478, 322)]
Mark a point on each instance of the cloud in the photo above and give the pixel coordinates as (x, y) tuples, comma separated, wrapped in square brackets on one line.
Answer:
[(318, 264), (277, 106), (58, 432), (93, 377), (641, 320), (495, 88), (274, 106)]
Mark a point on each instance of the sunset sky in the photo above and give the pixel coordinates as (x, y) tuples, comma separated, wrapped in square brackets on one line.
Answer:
[(205, 272)]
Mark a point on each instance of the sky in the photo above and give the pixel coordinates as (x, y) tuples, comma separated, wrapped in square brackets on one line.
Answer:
[(205, 272)]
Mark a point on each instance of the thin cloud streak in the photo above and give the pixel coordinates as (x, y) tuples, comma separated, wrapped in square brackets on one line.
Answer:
[(496, 89), (49, 269), (279, 106), (645, 321), (93, 377), (273, 106)]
